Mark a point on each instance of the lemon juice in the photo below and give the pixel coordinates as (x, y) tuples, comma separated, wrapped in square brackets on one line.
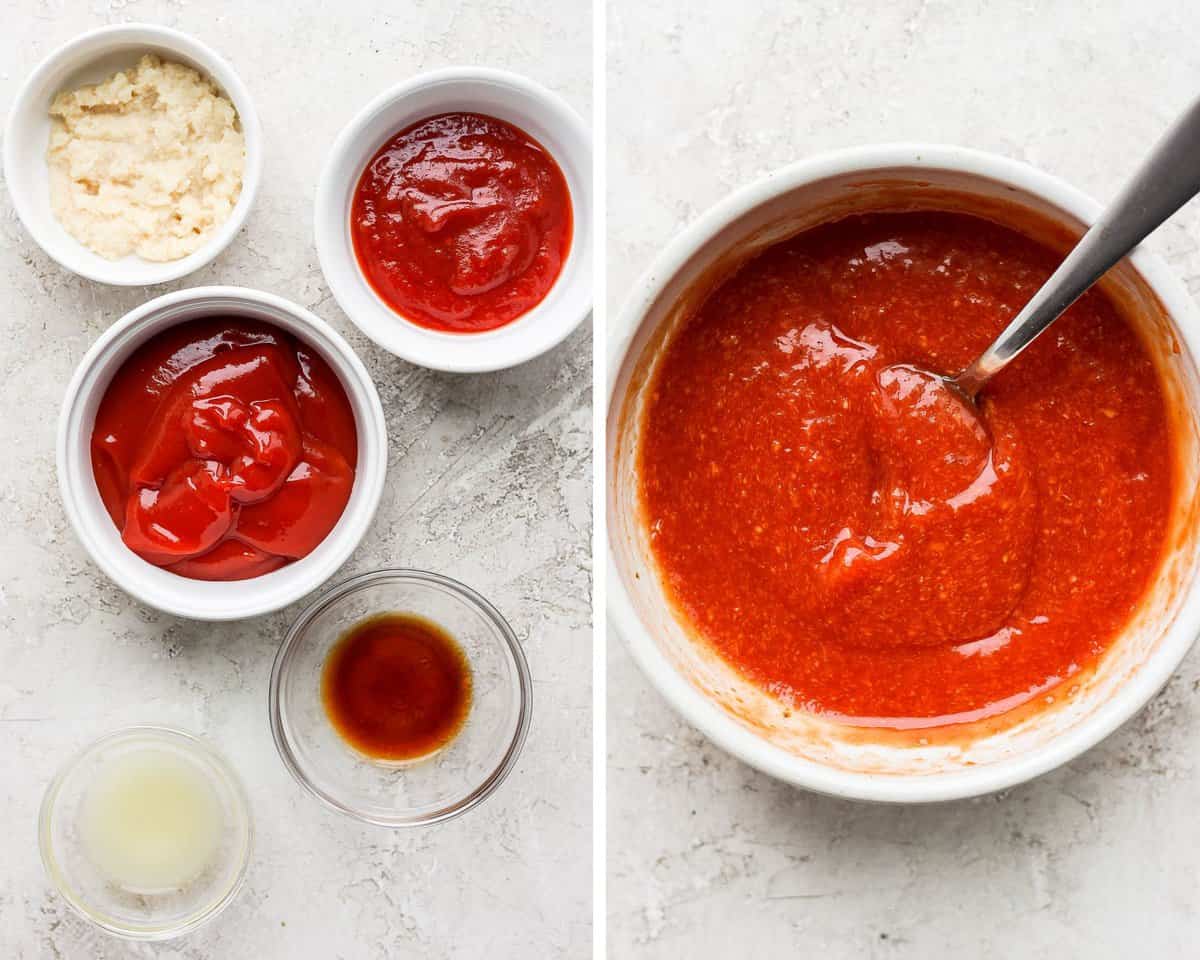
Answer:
[(151, 820)]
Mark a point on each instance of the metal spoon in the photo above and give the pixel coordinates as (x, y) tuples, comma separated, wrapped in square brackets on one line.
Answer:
[(1168, 179)]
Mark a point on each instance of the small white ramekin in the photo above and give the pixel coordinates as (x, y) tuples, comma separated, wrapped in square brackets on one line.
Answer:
[(198, 599), (820, 754), (90, 58), (544, 116)]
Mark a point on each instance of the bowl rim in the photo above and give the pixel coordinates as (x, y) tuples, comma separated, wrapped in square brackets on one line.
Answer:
[(219, 71), (372, 435), (512, 646), (707, 716), (191, 742), (479, 353)]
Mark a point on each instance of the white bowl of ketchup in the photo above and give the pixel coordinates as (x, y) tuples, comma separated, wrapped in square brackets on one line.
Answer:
[(517, 102), (815, 750), (187, 596)]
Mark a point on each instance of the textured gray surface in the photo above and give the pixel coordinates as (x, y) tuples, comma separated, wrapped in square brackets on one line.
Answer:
[(489, 481), (708, 858)]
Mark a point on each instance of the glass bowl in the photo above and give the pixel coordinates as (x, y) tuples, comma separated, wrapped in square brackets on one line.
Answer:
[(99, 899), (414, 793)]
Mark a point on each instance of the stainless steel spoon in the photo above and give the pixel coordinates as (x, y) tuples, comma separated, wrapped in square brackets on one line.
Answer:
[(1168, 179)]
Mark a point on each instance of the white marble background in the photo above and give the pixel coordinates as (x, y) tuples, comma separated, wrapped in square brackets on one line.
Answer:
[(489, 481), (708, 858)]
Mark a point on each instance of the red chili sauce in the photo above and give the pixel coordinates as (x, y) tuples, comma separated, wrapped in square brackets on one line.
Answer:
[(224, 449), (848, 533), (461, 222)]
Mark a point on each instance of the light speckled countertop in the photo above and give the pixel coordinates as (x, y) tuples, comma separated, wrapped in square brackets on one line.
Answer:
[(708, 858), (489, 482)]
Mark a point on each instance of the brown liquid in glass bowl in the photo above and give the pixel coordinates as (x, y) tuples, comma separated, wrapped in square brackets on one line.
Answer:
[(396, 687)]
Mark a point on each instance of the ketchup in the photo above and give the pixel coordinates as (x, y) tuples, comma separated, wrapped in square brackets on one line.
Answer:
[(850, 534), (224, 449), (461, 222)]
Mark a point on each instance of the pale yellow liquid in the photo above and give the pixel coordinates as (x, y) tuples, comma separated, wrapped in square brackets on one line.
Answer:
[(151, 821)]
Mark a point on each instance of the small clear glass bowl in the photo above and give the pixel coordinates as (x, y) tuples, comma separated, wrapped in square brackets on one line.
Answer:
[(95, 897), (431, 789)]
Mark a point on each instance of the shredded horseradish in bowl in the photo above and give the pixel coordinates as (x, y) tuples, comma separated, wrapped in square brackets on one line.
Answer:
[(148, 162)]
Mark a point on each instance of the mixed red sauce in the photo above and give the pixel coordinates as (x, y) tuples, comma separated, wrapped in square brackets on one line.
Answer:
[(852, 536), (461, 222), (396, 687), (224, 449)]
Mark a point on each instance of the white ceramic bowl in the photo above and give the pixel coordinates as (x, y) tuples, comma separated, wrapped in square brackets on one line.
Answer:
[(198, 599), (798, 747), (507, 96), (90, 58)]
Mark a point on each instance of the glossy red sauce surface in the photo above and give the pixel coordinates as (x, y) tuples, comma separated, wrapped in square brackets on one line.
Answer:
[(461, 222), (224, 449), (851, 536)]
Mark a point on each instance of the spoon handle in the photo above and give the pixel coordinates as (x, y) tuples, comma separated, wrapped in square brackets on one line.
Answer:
[(1168, 179)]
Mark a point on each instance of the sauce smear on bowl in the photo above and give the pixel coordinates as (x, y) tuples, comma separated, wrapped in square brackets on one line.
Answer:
[(846, 532), (224, 449), (397, 687), (461, 222)]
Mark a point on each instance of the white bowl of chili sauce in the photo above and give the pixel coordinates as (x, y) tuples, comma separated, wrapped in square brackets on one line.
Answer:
[(454, 218), (767, 710), (221, 452)]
